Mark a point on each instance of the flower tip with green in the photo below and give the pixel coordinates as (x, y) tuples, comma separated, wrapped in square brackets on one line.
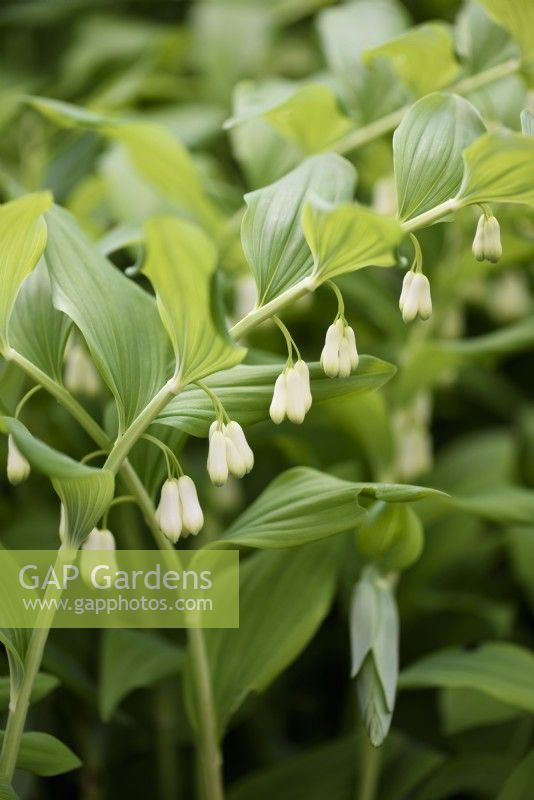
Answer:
[(18, 467)]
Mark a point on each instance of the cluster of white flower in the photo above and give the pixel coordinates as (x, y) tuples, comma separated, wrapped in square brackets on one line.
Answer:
[(339, 356), (292, 394), (179, 512), (415, 297), (487, 242), (100, 539), (229, 452), (18, 467)]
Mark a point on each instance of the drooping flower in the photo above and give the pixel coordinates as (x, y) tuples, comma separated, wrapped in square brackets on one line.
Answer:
[(168, 512), (487, 242), (18, 467), (229, 452), (339, 355), (100, 539), (415, 297), (80, 375), (292, 396), (192, 516)]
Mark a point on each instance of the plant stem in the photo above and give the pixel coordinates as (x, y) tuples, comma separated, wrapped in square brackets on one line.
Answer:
[(370, 770), (379, 127), (18, 707), (254, 318), (432, 215)]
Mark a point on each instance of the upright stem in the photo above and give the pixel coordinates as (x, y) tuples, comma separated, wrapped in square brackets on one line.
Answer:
[(18, 707), (370, 770)]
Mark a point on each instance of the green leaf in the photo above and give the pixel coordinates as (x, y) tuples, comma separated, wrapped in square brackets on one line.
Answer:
[(44, 755), (519, 784), (118, 320), (520, 542), (346, 32), (284, 597), (427, 151), (518, 19), (181, 263), (348, 237), (301, 505), (499, 168), (310, 118), (463, 709), (502, 670), (23, 236), (423, 57), (271, 232), (84, 491), (42, 686), (506, 505), (6, 790), (131, 660), (37, 330), (156, 154), (527, 122), (246, 392)]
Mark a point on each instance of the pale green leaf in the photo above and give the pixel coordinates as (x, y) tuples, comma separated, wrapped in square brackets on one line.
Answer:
[(517, 16), (271, 232), (118, 320), (246, 392), (427, 149), (502, 670), (499, 168), (84, 491), (480, 41), (44, 755), (423, 57), (527, 122), (180, 263), (463, 709), (156, 154), (301, 505), (23, 235), (519, 784), (311, 118), (37, 330), (284, 597), (348, 237), (506, 505), (346, 32), (131, 660)]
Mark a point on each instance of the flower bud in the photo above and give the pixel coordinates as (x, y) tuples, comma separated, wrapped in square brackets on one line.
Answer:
[(278, 407), (98, 540), (18, 467), (235, 433), (392, 535), (487, 242), (296, 396), (168, 512), (304, 373), (217, 460), (80, 375), (192, 516), (353, 351), (234, 459), (330, 352), (415, 297), (344, 358)]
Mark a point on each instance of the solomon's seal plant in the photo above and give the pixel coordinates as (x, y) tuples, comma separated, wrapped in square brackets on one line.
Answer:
[(386, 541)]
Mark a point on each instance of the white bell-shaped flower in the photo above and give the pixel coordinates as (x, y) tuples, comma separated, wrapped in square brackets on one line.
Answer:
[(168, 512), (339, 356), (487, 242), (278, 407), (80, 375), (18, 467), (97, 550), (296, 396), (415, 297), (217, 457), (235, 433), (192, 516), (302, 369)]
